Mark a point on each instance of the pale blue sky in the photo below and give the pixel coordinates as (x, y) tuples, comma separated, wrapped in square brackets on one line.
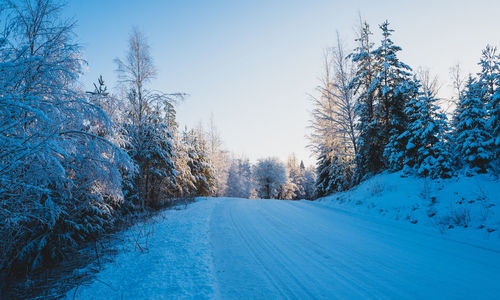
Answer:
[(252, 63)]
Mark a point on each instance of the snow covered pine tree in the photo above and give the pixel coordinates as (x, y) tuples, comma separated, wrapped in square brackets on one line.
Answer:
[(471, 134)]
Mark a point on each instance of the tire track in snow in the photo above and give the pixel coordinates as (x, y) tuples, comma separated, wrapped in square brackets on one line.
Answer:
[(351, 274), (244, 237), (277, 257), (306, 251)]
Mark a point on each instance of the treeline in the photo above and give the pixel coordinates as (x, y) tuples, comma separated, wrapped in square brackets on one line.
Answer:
[(270, 178), (74, 164), (375, 113)]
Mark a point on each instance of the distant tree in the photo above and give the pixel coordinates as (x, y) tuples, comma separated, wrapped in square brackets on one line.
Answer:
[(269, 175), (184, 184), (239, 180), (296, 180), (309, 181), (301, 180), (287, 190), (429, 84), (458, 82), (199, 162), (219, 159)]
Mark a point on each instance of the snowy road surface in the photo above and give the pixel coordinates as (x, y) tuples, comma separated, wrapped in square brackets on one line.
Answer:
[(266, 249)]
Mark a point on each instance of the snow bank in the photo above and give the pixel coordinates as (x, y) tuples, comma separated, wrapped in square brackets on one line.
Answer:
[(464, 206), (175, 261)]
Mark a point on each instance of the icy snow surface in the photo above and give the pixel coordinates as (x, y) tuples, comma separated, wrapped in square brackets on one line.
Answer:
[(227, 248)]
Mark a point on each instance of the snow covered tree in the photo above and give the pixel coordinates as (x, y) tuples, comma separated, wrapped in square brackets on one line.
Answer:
[(426, 151), (489, 83), (199, 163), (333, 175), (233, 181), (369, 146), (113, 108), (394, 87), (295, 173), (239, 179), (219, 159), (59, 179), (287, 191), (150, 122), (309, 181), (471, 136), (323, 175), (301, 180), (333, 118), (269, 175), (184, 184)]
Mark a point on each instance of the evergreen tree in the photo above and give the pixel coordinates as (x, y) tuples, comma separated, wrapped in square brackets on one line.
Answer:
[(369, 149), (333, 175), (296, 177), (426, 150), (287, 190), (199, 163), (394, 87), (323, 175), (471, 135), (489, 82), (309, 182), (184, 184)]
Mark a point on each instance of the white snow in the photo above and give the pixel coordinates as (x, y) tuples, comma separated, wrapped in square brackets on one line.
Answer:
[(178, 264), (462, 207), (228, 248)]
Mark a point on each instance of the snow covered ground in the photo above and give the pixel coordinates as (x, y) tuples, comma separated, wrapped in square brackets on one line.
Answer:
[(462, 207), (227, 248), (175, 263)]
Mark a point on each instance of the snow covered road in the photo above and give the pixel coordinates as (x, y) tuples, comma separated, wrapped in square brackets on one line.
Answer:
[(267, 249), (299, 250)]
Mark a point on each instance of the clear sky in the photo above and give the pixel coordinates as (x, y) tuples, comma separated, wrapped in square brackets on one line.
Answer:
[(253, 63)]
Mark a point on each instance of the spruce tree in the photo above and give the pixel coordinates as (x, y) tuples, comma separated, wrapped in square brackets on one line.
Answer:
[(471, 133), (489, 82), (426, 150), (333, 175), (323, 176), (296, 177), (369, 150), (199, 164), (394, 87)]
